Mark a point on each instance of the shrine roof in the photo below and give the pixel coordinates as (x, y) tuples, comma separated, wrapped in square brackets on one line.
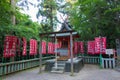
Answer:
[(65, 30)]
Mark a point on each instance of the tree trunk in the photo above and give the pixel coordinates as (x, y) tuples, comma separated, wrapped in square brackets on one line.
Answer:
[(13, 8), (51, 19)]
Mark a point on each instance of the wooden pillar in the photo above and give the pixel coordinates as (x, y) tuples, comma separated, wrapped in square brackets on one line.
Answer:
[(55, 51), (71, 53), (40, 55)]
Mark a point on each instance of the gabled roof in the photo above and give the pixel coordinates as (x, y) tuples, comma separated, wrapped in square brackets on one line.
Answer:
[(64, 28), (65, 31)]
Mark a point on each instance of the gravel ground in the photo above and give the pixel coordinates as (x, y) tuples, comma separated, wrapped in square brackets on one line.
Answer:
[(88, 72)]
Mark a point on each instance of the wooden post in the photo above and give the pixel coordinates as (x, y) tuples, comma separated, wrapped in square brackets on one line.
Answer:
[(71, 53), (40, 55)]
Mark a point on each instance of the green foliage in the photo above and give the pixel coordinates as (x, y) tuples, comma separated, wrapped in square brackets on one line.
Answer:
[(28, 31), (5, 12), (93, 18), (31, 31)]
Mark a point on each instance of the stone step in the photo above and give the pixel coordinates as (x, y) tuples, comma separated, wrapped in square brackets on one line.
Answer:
[(61, 62), (58, 68), (58, 64), (57, 71)]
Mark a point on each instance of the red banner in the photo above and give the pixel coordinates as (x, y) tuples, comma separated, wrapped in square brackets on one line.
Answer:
[(43, 47), (91, 47), (33, 47), (58, 45), (75, 47), (81, 47), (18, 46), (36, 45), (24, 46), (97, 45), (103, 45), (50, 48), (10, 46), (100, 45)]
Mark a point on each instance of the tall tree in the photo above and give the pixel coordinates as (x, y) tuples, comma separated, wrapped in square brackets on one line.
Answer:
[(47, 9), (13, 6), (96, 18)]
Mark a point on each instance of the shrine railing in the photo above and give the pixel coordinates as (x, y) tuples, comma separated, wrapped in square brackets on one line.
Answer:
[(6, 68), (91, 60), (108, 62)]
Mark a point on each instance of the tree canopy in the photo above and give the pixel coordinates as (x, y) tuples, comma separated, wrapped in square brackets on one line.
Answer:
[(93, 18)]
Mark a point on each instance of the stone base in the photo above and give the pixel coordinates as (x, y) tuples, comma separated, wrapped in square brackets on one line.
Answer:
[(77, 65), (49, 64)]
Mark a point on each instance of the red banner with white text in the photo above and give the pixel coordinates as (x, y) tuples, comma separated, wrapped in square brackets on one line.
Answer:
[(103, 45), (91, 47), (50, 48), (100, 45), (81, 47), (75, 47), (9, 46), (97, 45), (18, 46), (43, 47), (24, 46), (33, 47)]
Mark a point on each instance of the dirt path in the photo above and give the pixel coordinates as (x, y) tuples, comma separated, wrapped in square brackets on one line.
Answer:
[(89, 72)]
